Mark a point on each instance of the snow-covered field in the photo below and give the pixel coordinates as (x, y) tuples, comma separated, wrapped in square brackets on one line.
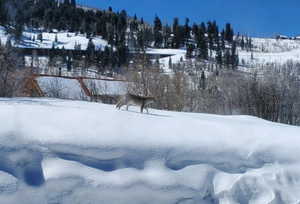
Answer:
[(69, 152)]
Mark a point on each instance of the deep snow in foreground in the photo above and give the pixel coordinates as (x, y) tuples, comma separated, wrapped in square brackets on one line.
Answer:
[(55, 151)]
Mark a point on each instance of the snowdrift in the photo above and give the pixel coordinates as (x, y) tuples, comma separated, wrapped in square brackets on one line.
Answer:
[(57, 151)]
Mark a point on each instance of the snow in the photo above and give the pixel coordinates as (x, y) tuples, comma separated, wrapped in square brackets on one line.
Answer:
[(161, 51), (66, 40), (57, 151), (271, 51), (176, 56)]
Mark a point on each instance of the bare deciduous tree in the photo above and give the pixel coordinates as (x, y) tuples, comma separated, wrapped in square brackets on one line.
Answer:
[(12, 73)]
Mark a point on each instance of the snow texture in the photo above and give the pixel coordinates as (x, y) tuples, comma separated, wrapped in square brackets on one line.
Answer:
[(69, 152)]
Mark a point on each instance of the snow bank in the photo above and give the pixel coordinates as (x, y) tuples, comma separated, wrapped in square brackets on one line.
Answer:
[(56, 151)]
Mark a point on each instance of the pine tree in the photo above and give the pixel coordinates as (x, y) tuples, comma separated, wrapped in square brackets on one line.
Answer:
[(3, 13), (242, 43), (203, 80), (227, 58), (56, 39), (166, 36), (170, 63), (73, 3), (219, 57), (210, 33), (69, 61), (189, 51), (223, 44), (229, 33), (234, 56), (195, 29), (176, 41), (8, 44), (141, 39), (187, 31), (66, 2), (40, 37), (203, 27), (202, 44), (158, 38), (91, 50)]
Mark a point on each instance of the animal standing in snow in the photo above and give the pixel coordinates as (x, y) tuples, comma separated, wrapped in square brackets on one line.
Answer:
[(130, 99)]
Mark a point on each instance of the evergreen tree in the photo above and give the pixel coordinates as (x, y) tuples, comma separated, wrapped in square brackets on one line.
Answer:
[(187, 31), (229, 33), (3, 14), (8, 44), (203, 80), (141, 39), (223, 44), (122, 55), (203, 27), (106, 57), (158, 38), (227, 58), (176, 34), (219, 57), (166, 36), (91, 50), (234, 56), (210, 34), (73, 3), (66, 2), (56, 39), (170, 63), (69, 61), (242, 43), (195, 29), (189, 51), (202, 44)]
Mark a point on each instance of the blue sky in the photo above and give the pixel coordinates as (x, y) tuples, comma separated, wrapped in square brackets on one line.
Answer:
[(253, 17)]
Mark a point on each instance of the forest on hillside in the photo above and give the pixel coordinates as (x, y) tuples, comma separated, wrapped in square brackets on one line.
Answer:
[(203, 40)]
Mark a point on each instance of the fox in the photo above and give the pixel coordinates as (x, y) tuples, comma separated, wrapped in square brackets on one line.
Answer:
[(130, 99)]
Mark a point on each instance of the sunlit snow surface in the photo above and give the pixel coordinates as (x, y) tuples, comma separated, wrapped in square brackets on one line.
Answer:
[(58, 151)]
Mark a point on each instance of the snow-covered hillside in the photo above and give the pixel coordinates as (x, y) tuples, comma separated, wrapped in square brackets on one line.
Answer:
[(65, 40), (68, 152), (267, 50)]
